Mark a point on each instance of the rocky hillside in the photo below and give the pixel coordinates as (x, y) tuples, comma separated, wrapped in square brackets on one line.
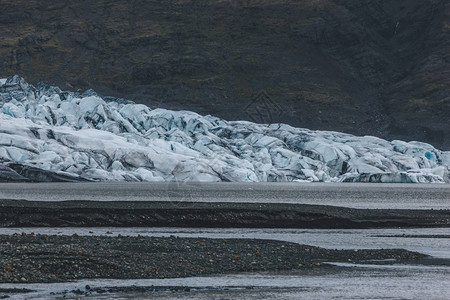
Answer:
[(358, 66)]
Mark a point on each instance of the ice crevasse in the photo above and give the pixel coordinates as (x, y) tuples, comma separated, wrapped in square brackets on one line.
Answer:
[(47, 134)]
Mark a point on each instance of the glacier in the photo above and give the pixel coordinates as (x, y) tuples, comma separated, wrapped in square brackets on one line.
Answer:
[(47, 134)]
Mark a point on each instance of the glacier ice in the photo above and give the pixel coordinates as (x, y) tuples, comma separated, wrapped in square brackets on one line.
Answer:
[(47, 134)]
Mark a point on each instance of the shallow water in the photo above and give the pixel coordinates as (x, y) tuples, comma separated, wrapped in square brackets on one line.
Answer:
[(355, 195), (392, 282), (332, 239)]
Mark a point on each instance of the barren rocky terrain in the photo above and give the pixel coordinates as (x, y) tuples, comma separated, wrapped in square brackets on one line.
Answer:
[(43, 258)]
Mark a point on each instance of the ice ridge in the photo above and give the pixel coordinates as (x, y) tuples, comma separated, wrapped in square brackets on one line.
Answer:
[(47, 134)]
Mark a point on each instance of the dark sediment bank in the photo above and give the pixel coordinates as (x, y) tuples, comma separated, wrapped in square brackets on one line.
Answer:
[(43, 258), (15, 213)]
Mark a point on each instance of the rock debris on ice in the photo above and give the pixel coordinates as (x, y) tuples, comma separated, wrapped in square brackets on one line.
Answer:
[(51, 135)]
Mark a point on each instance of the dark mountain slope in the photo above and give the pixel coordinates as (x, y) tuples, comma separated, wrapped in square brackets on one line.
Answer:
[(361, 66)]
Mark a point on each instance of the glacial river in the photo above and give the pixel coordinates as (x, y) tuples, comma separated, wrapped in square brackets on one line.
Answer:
[(349, 282), (355, 195)]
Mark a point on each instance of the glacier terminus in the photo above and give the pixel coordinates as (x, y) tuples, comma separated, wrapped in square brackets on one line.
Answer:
[(47, 134)]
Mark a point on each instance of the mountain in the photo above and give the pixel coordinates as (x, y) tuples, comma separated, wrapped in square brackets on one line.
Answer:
[(47, 134), (358, 66)]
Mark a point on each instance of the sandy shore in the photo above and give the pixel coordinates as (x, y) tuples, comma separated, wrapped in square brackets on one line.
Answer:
[(15, 213)]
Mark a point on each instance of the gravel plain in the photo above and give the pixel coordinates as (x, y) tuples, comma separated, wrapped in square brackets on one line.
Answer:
[(43, 258)]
